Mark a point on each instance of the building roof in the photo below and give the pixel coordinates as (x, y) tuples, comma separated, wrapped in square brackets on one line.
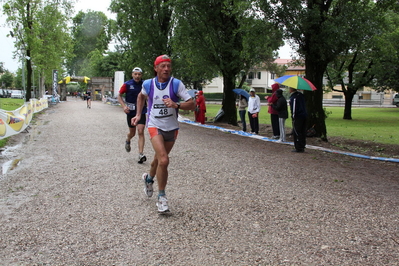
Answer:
[(289, 63)]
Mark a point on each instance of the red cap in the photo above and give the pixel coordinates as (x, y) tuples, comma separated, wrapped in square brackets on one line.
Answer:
[(162, 58)]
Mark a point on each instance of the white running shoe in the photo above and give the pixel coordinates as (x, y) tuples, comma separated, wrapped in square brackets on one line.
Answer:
[(142, 158), (162, 204), (148, 190)]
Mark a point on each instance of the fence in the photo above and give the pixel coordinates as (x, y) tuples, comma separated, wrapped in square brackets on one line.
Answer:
[(14, 122)]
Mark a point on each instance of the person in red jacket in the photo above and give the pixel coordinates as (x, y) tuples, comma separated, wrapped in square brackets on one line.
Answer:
[(201, 107), (274, 113)]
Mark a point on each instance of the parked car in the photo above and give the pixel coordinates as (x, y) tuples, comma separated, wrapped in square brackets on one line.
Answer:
[(4, 93), (395, 100), (17, 94)]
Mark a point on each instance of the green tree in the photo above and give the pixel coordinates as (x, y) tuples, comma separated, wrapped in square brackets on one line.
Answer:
[(322, 29), (7, 79), (2, 69), (91, 33), (53, 45), (104, 65), (143, 32), (357, 66), (26, 19), (18, 79), (227, 36), (387, 69)]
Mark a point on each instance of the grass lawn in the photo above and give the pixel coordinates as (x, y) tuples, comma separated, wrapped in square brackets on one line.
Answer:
[(9, 104), (379, 125)]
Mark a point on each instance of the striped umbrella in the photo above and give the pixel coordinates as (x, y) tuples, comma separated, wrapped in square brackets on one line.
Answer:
[(296, 82)]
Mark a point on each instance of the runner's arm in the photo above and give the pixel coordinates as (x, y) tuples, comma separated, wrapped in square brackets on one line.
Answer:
[(122, 90), (139, 108), (187, 105)]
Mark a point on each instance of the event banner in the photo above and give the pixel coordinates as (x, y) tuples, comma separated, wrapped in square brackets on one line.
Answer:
[(14, 122)]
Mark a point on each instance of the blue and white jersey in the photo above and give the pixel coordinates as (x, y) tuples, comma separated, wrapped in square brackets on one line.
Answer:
[(160, 116)]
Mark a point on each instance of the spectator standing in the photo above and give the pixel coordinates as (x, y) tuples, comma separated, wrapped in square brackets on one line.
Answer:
[(274, 118), (242, 105), (281, 107), (253, 111), (196, 110), (299, 116), (200, 107)]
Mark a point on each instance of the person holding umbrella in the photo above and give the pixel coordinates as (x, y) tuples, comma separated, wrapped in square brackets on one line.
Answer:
[(253, 111), (242, 105), (299, 116)]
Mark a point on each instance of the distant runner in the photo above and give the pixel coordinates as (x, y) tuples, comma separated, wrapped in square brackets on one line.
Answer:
[(88, 98)]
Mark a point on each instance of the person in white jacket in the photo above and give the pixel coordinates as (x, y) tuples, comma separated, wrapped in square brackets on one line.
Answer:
[(253, 111)]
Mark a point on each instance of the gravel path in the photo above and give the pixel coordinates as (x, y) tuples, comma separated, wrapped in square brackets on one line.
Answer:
[(76, 198)]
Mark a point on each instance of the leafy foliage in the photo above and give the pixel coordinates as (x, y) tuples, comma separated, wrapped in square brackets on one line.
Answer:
[(387, 67), (7, 79), (91, 33), (223, 36), (143, 32), (39, 28), (358, 65), (322, 30)]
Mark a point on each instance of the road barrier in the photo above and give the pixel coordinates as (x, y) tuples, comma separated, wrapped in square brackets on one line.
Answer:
[(14, 122)]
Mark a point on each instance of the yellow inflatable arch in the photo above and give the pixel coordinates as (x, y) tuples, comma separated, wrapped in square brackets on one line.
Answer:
[(68, 79)]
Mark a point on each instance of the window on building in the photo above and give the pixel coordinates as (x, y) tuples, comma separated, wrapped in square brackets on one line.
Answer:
[(259, 75), (272, 75), (250, 75)]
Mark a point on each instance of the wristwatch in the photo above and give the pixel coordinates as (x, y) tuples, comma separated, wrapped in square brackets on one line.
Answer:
[(178, 105)]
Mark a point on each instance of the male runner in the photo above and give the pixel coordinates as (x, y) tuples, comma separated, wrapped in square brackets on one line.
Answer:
[(88, 98), (163, 93), (131, 89)]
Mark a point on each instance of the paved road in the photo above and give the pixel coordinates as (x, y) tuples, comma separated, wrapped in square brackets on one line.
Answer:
[(76, 199)]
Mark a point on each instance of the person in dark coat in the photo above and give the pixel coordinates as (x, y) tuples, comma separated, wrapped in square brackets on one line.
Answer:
[(299, 116), (281, 107), (273, 113)]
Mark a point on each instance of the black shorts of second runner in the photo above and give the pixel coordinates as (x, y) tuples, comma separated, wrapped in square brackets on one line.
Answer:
[(142, 120)]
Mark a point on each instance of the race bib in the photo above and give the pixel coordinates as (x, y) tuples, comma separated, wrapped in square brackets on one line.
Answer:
[(131, 106), (161, 111)]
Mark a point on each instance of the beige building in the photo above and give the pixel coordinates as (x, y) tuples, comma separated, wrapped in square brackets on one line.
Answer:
[(261, 80), (258, 78)]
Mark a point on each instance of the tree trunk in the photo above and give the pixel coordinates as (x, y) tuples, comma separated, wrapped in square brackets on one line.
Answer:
[(28, 55), (243, 79), (314, 100), (228, 104), (348, 104), (28, 93)]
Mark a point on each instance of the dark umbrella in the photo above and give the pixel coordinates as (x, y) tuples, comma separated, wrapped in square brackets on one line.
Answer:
[(242, 92), (192, 93)]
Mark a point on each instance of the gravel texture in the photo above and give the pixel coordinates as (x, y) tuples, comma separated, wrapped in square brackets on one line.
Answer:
[(76, 198)]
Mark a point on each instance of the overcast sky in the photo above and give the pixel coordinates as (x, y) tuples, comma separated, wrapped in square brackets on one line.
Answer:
[(7, 43)]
